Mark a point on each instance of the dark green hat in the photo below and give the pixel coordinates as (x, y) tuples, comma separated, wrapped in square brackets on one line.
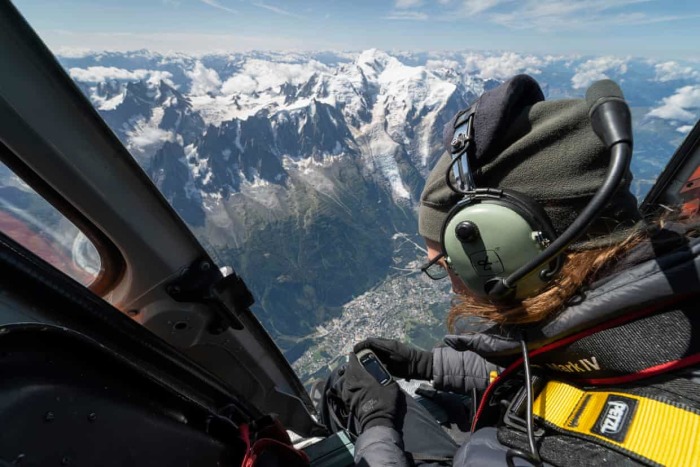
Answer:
[(546, 150)]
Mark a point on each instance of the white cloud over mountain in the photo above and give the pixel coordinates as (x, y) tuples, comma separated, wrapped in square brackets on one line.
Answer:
[(145, 138), (204, 80), (597, 69), (98, 74), (502, 66), (684, 105), (669, 71)]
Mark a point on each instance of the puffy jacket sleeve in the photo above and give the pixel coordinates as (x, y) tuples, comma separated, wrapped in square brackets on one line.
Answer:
[(460, 371), (380, 445)]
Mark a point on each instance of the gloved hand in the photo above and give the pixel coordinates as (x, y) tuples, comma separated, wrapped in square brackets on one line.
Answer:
[(401, 360), (372, 403)]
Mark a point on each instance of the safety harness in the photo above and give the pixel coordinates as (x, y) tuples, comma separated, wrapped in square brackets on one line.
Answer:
[(647, 429), (615, 387)]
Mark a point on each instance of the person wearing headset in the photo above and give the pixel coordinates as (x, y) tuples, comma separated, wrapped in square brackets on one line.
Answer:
[(587, 349)]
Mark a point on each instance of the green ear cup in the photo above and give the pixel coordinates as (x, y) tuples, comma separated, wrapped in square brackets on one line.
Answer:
[(495, 241)]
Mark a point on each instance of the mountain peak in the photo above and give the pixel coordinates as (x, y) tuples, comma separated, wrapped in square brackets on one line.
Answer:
[(374, 59)]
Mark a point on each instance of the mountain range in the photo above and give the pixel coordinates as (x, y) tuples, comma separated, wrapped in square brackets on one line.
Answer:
[(302, 171)]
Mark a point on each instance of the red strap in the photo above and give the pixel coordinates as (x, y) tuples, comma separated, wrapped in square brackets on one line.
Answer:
[(648, 372), (285, 450), (245, 435)]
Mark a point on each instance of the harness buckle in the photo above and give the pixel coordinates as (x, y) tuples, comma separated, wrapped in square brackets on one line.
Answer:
[(517, 408)]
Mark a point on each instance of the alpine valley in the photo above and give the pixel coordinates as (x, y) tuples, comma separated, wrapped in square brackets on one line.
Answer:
[(302, 171)]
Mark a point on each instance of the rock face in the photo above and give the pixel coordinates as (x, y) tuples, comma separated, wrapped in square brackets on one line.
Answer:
[(302, 170), (298, 180), (170, 173)]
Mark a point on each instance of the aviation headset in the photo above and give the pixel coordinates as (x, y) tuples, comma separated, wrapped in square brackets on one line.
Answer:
[(501, 243)]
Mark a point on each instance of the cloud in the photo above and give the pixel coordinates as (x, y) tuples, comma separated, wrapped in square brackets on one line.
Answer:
[(597, 69), (669, 71), (241, 83), (218, 5), (147, 138), (402, 4), (475, 7), (204, 80), (442, 64), (73, 52), (98, 74), (277, 10), (685, 129), (684, 105), (404, 10), (156, 76), (259, 75), (502, 66), (552, 15), (407, 16), (181, 42), (643, 18), (452, 10)]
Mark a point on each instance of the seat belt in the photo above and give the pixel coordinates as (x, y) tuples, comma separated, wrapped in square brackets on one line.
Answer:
[(643, 428)]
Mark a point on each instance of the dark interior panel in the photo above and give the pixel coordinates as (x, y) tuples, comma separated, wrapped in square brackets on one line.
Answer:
[(64, 403)]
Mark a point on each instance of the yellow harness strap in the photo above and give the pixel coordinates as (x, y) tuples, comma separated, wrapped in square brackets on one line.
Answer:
[(646, 429)]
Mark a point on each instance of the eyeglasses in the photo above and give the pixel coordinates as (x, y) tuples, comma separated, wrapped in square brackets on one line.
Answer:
[(434, 268)]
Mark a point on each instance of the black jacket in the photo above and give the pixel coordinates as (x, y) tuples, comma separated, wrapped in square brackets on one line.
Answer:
[(663, 271)]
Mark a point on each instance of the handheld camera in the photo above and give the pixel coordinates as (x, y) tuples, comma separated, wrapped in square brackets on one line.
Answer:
[(374, 366)]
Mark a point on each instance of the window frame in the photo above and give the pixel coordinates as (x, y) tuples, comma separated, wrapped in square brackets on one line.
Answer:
[(112, 264)]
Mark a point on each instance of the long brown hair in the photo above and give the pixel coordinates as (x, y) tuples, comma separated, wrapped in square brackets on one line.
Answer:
[(580, 268)]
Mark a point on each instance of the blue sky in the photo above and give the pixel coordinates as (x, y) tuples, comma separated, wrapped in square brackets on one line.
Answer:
[(645, 28)]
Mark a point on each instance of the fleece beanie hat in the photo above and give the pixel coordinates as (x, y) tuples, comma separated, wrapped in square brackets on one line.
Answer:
[(546, 150)]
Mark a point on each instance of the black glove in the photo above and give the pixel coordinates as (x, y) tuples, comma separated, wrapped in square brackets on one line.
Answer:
[(370, 402), (401, 360)]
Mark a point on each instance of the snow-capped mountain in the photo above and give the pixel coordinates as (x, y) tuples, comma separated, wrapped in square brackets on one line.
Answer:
[(281, 111), (301, 169)]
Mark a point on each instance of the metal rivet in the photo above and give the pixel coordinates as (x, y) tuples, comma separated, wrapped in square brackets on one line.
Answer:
[(92, 416), (49, 416), (65, 461), (205, 266)]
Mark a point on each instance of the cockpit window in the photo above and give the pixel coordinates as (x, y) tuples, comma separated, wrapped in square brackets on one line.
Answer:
[(31, 221)]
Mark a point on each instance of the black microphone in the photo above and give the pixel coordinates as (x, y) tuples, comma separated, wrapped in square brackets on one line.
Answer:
[(609, 113)]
